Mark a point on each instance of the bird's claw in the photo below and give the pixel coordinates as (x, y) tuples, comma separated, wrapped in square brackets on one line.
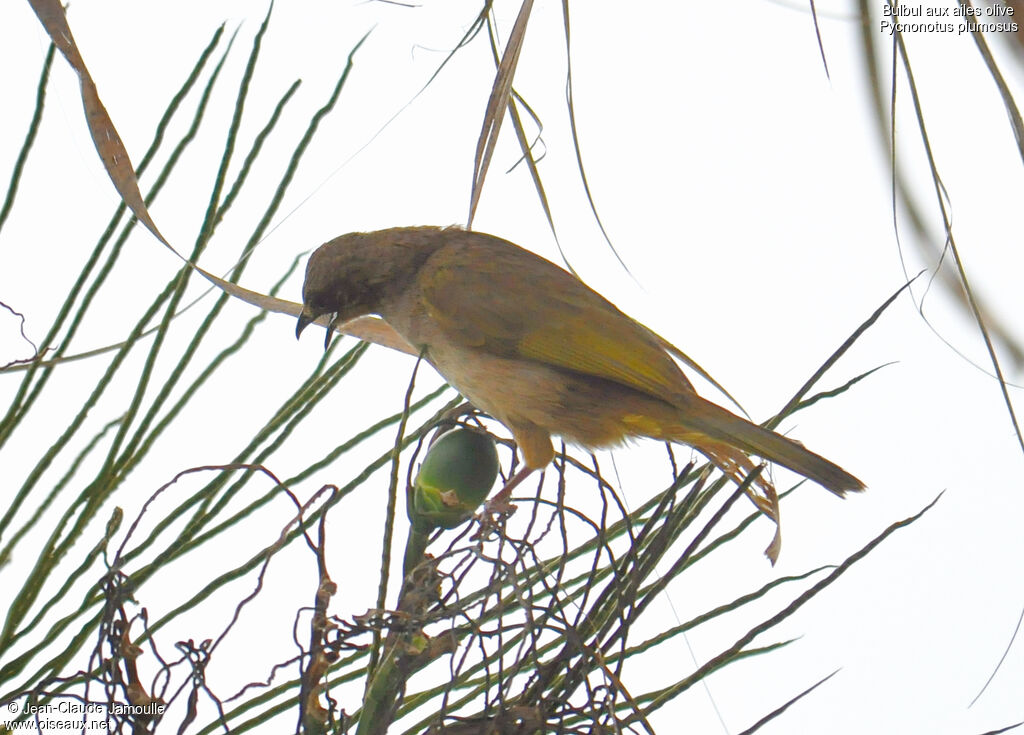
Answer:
[(493, 515)]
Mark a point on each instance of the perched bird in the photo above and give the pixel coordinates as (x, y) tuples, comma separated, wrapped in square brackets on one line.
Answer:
[(534, 347)]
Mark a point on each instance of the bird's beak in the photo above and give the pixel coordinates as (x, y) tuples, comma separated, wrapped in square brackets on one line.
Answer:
[(304, 319), (330, 330)]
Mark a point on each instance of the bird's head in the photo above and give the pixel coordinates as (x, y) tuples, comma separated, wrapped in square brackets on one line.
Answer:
[(341, 282), (353, 275)]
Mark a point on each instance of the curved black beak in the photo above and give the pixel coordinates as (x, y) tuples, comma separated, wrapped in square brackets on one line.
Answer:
[(306, 317), (304, 320), (330, 330)]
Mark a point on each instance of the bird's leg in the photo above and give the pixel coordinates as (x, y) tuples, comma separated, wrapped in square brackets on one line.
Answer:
[(535, 444), (500, 501), (498, 507)]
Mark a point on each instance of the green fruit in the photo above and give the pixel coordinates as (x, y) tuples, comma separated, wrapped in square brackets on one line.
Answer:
[(456, 475)]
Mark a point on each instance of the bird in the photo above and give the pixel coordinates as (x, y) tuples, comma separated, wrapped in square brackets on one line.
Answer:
[(534, 347)]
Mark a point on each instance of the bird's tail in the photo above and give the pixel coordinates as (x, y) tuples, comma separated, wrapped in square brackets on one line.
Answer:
[(702, 420), (728, 440)]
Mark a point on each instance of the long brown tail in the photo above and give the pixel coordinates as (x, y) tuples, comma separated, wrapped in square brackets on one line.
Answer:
[(702, 417)]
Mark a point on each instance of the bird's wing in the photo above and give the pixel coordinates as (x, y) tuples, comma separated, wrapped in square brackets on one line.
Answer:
[(481, 291)]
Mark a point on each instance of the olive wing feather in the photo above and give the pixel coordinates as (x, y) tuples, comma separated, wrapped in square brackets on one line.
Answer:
[(485, 292)]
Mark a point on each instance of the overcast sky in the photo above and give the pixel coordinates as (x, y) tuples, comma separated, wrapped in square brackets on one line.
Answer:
[(748, 195)]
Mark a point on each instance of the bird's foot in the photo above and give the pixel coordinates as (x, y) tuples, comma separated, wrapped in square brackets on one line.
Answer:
[(500, 507), (493, 515)]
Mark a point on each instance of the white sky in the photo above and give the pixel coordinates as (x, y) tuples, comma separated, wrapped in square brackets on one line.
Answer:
[(747, 194)]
